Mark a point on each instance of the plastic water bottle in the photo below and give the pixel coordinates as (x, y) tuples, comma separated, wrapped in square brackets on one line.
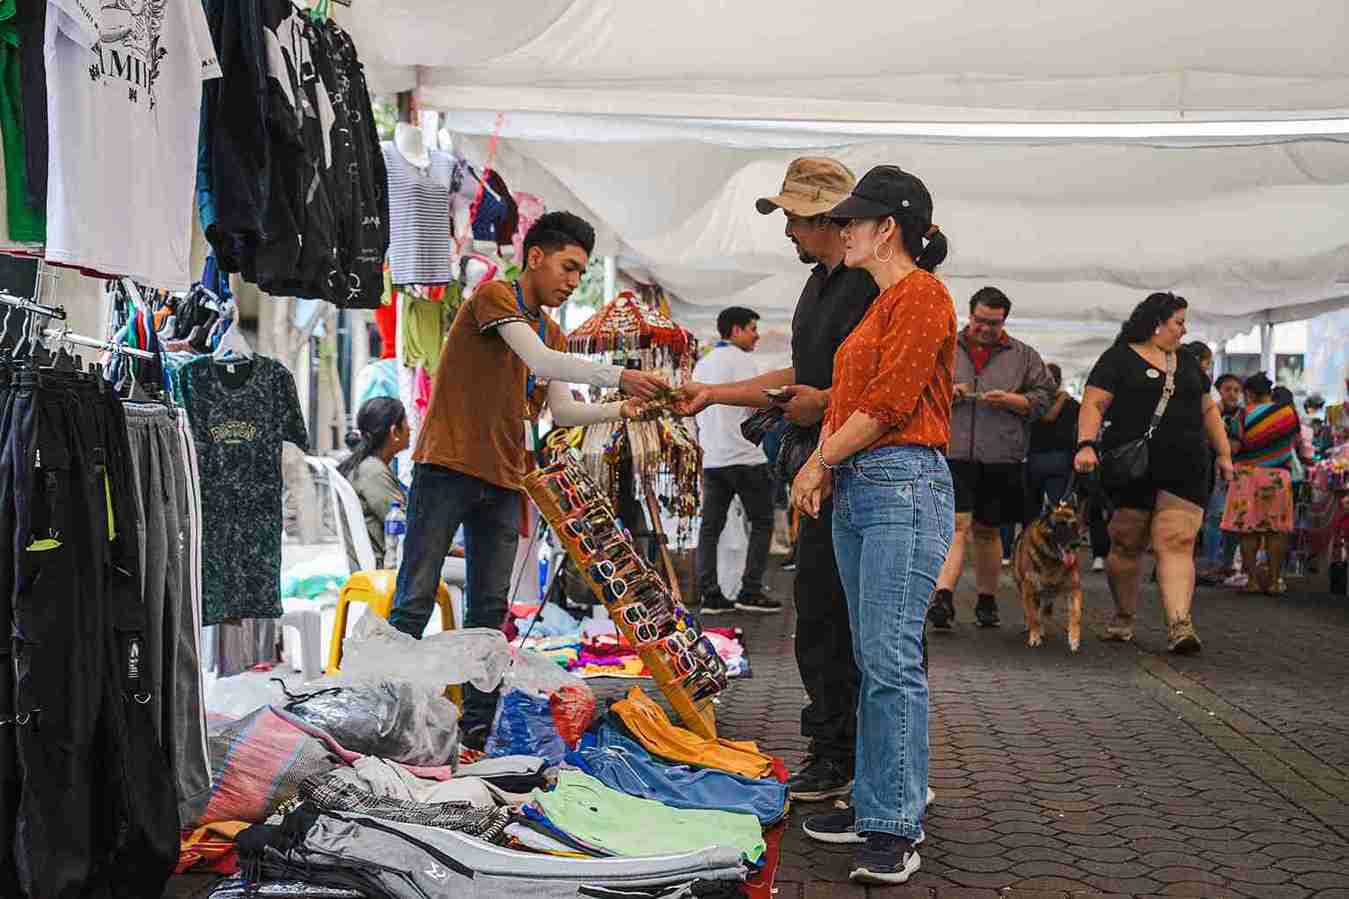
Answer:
[(395, 527)]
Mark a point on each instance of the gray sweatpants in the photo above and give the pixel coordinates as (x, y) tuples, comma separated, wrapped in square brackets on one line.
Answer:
[(169, 519), (403, 857)]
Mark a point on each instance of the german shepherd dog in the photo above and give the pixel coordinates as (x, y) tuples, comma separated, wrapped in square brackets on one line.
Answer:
[(1044, 563)]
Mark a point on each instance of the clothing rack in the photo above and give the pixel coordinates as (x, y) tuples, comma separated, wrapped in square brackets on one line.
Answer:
[(30, 306), (96, 344)]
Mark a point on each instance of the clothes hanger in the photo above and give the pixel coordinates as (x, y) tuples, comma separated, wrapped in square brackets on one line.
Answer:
[(233, 344)]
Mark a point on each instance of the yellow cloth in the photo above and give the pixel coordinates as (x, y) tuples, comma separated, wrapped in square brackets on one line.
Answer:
[(654, 730)]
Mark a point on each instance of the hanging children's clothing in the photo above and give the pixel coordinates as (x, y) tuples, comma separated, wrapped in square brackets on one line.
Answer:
[(240, 413)]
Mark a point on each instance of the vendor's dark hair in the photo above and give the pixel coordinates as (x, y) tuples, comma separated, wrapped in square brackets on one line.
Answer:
[(734, 317), (993, 299), (378, 416), (1148, 316), (1055, 372), (556, 230), (1223, 379), (1258, 384)]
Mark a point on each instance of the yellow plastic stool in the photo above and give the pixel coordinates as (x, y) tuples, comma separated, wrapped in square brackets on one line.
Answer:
[(376, 590)]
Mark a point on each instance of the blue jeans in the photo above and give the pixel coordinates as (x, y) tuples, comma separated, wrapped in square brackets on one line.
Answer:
[(443, 499), (1216, 549), (894, 518)]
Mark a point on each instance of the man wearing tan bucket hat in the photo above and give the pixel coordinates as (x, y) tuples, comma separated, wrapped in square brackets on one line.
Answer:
[(832, 303)]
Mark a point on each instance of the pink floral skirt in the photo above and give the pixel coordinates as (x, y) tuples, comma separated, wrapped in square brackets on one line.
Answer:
[(1259, 501)]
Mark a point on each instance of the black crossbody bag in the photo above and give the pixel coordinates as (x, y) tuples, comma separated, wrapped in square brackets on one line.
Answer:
[(1128, 462)]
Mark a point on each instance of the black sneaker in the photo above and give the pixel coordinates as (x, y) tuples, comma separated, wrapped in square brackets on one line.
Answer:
[(942, 611), (837, 828), (986, 611), (789, 563), (757, 602), (820, 779), (715, 604), (885, 859)]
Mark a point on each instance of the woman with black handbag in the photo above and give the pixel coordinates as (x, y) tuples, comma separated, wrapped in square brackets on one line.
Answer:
[(1154, 460)]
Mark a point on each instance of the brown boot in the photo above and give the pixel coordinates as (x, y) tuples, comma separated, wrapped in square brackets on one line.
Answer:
[(1182, 640)]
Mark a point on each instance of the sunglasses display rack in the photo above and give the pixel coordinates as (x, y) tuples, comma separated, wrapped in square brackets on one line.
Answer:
[(683, 661)]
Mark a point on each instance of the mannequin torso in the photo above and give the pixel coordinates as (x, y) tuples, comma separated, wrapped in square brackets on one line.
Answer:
[(411, 145)]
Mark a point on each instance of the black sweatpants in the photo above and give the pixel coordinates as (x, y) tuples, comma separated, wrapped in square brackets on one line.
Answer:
[(9, 761), (97, 812), (824, 643)]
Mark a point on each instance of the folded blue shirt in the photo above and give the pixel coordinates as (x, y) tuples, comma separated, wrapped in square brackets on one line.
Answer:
[(622, 764)]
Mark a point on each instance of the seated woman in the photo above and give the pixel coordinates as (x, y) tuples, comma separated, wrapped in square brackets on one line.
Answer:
[(384, 432), (1260, 500)]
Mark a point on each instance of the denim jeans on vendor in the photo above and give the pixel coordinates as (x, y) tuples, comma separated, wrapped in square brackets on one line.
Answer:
[(442, 500), (894, 518)]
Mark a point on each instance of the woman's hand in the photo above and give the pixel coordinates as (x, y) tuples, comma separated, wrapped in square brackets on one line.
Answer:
[(812, 487), (1086, 460), (1226, 469)]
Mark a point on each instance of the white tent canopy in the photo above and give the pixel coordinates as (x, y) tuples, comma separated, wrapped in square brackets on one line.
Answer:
[(1081, 153)]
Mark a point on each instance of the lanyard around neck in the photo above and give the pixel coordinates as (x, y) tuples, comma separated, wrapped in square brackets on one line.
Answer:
[(524, 310)]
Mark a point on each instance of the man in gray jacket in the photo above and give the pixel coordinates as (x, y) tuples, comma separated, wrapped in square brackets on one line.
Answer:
[(1001, 387)]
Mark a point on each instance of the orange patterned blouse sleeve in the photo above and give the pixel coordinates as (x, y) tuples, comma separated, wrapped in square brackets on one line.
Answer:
[(897, 365)]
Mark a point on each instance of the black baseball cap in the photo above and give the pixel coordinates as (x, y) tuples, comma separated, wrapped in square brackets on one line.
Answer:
[(886, 190)]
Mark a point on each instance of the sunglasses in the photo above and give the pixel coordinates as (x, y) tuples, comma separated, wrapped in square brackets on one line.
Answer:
[(706, 687)]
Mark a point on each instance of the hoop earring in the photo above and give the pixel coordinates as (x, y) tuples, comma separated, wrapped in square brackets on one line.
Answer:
[(879, 257)]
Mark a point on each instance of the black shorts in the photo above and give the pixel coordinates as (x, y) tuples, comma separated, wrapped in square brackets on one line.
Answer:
[(994, 491)]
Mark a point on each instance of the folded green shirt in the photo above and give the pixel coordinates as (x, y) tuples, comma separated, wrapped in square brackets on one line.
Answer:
[(586, 809)]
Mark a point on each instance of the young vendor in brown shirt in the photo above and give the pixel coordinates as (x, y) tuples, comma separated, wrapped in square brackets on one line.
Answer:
[(502, 361)]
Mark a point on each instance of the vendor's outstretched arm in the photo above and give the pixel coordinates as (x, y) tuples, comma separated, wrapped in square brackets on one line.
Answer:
[(568, 412), (551, 365)]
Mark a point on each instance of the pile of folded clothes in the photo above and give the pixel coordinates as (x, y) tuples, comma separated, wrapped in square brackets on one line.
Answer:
[(517, 825)]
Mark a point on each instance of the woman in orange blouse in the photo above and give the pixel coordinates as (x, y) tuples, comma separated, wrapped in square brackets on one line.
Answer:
[(881, 454)]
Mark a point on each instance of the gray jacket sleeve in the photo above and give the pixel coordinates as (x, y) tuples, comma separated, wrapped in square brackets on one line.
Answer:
[(1039, 386)]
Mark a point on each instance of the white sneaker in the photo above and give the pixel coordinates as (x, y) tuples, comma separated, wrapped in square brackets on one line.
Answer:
[(1237, 580), (1098, 564)]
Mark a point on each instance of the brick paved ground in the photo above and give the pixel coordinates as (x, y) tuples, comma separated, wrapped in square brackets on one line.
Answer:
[(1120, 772)]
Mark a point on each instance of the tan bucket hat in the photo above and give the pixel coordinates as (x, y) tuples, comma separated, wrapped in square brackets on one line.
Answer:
[(814, 185)]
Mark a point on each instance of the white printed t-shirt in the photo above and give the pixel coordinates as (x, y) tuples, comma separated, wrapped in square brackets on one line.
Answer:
[(124, 107), (719, 426)]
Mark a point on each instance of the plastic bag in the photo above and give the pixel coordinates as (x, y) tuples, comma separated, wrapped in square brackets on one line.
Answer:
[(570, 699), (396, 720), (524, 726), (231, 698), (377, 651)]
